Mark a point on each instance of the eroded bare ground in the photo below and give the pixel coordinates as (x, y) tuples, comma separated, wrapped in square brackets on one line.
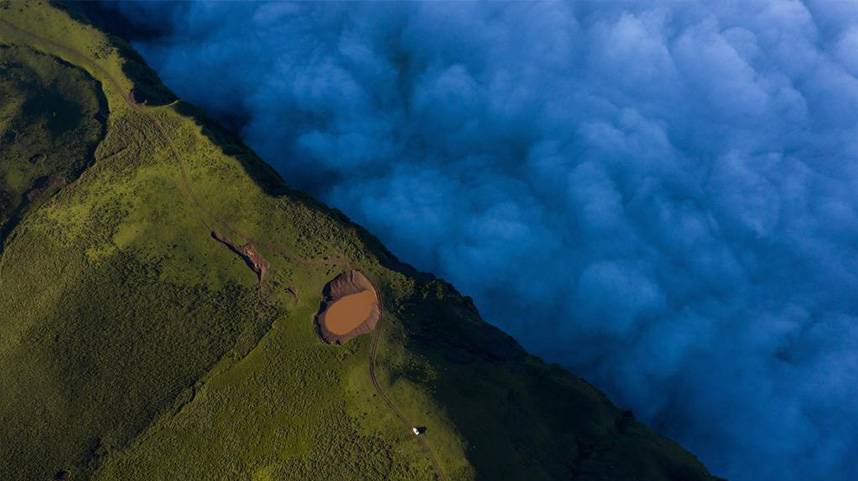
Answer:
[(249, 253)]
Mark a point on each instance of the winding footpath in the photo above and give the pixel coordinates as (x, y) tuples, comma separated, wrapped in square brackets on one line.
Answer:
[(406, 423), (212, 221)]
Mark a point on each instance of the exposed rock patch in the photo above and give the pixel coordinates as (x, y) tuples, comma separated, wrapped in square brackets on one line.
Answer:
[(44, 185), (350, 307)]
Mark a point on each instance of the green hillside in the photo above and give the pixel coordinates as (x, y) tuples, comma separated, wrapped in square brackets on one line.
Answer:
[(135, 346)]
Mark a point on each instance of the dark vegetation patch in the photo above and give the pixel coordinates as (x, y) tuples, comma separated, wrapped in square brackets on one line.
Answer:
[(542, 422), (51, 119), (107, 20)]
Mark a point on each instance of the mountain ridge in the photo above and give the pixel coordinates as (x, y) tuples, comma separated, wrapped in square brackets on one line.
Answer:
[(120, 270)]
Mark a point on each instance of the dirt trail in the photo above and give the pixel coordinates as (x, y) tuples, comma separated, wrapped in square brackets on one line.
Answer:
[(406, 423), (212, 221)]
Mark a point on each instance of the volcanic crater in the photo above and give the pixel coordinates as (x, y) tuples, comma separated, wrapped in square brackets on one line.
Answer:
[(349, 308)]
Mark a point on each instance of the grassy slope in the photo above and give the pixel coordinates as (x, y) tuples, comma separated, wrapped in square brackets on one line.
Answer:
[(60, 110), (134, 346)]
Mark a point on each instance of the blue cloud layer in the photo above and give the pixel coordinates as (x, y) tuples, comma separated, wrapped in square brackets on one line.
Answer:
[(660, 196)]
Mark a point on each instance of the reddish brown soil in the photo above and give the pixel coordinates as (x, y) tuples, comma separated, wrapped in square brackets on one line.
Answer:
[(350, 307), (248, 252), (349, 312)]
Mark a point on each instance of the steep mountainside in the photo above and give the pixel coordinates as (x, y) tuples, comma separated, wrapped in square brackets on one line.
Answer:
[(159, 287)]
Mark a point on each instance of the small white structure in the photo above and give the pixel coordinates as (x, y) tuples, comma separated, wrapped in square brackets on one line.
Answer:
[(417, 430)]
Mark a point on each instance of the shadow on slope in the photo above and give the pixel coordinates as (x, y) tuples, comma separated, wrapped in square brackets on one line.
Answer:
[(148, 87), (525, 419), (53, 118)]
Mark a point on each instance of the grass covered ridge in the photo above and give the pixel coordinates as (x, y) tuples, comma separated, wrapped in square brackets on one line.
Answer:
[(135, 346)]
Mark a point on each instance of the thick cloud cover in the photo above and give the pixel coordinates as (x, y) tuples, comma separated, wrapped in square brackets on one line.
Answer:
[(663, 197)]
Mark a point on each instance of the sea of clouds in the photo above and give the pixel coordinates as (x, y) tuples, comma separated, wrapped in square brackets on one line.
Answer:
[(662, 196)]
